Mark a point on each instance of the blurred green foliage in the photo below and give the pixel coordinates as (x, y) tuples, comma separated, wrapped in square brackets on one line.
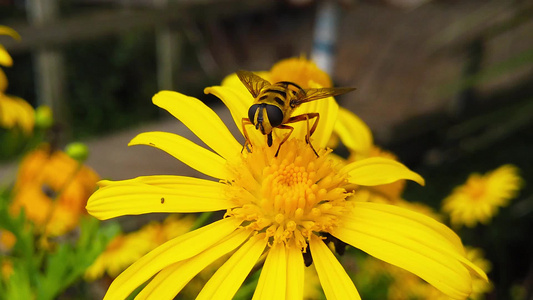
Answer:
[(40, 273)]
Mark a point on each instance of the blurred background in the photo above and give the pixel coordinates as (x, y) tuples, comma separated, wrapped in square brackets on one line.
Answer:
[(446, 85)]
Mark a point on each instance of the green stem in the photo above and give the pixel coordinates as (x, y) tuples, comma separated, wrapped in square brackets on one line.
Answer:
[(201, 220)]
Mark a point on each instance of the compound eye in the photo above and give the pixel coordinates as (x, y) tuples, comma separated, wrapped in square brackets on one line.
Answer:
[(275, 115), (252, 111)]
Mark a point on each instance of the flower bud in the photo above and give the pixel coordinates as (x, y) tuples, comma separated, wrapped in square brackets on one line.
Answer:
[(43, 117), (78, 151)]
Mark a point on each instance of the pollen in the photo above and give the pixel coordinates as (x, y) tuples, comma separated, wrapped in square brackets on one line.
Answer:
[(289, 197)]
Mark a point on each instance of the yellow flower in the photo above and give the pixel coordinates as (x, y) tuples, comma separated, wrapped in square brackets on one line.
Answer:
[(6, 268), (479, 199), (14, 111), (125, 249), (280, 206), (7, 240), (53, 190)]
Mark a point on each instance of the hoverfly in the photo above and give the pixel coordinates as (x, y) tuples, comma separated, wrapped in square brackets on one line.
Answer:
[(274, 104)]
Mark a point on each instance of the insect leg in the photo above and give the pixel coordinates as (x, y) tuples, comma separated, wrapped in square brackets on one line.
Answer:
[(247, 144), (285, 137), (310, 132)]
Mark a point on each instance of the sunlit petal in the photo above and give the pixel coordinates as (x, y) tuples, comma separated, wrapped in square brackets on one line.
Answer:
[(4, 30), (238, 101), (230, 276), (5, 58), (333, 278), (171, 280), (195, 156), (295, 273), (353, 132), (411, 241), (273, 280), (132, 198), (377, 170), (201, 120), (165, 181), (3, 81)]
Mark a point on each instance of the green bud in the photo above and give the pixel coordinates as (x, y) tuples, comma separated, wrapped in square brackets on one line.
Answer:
[(43, 117), (78, 151)]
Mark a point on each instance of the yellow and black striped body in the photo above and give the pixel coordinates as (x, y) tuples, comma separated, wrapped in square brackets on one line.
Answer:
[(272, 107), (274, 104)]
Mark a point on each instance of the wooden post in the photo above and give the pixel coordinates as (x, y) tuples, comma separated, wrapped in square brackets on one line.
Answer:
[(49, 63), (168, 52)]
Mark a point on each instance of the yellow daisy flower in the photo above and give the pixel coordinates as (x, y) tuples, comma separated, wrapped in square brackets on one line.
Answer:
[(53, 190), (125, 249), (121, 252), (7, 240), (278, 206), (14, 111), (479, 199), (6, 268)]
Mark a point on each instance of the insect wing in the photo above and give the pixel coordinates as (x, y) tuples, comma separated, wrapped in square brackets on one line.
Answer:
[(252, 82), (315, 94)]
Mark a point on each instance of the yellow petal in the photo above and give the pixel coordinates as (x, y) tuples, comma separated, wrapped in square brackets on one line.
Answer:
[(4, 30), (5, 58), (377, 170), (201, 120), (195, 156), (273, 280), (333, 278), (238, 101), (171, 280), (353, 132), (230, 276), (165, 181), (15, 111), (3, 81), (295, 273), (411, 241), (175, 250), (133, 198)]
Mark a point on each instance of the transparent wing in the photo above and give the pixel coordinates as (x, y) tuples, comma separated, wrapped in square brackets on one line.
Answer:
[(315, 94), (253, 83)]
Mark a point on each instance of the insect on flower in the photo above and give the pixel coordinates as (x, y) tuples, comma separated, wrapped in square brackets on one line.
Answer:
[(274, 104)]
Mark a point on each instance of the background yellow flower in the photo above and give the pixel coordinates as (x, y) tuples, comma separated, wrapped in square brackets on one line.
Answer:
[(53, 190), (480, 197), (125, 249), (14, 111)]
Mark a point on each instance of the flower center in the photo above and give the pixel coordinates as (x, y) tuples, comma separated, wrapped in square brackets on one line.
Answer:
[(290, 196), (476, 188)]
